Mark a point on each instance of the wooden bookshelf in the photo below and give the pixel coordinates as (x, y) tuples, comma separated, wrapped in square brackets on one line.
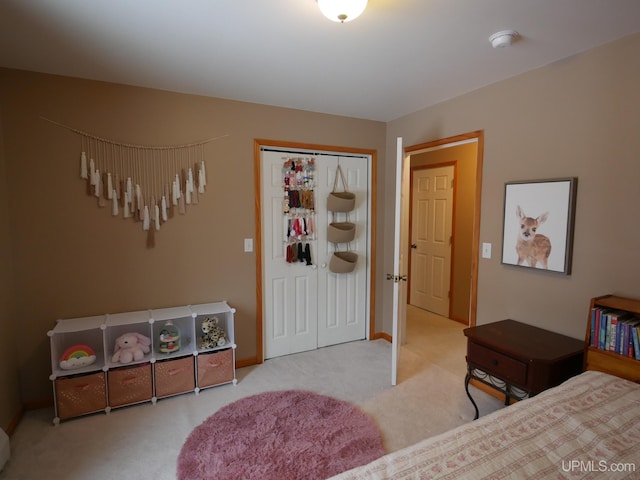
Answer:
[(605, 360)]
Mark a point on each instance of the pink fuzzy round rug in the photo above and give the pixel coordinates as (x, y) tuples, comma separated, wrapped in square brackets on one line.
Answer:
[(282, 435)]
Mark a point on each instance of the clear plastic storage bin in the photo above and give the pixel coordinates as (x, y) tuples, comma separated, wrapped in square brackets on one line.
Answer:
[(119, 324), (173, 332)]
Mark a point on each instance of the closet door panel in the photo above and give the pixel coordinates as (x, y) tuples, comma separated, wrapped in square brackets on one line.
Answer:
[(290, 289), (342, 297)]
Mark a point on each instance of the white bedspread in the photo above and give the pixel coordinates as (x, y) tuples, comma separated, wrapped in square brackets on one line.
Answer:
[(586, 428)]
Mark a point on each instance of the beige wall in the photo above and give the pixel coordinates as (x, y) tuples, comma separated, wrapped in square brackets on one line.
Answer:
[(9, 393), (73, 259), (464, 157), (579, 117)]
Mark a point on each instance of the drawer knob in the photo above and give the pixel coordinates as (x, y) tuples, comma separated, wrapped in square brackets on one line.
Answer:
[(494, 362)]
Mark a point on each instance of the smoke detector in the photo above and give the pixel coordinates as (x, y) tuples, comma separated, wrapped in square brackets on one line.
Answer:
[(503, 39)]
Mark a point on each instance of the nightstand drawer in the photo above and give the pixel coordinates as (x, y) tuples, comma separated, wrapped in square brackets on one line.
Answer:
[(497, 364)]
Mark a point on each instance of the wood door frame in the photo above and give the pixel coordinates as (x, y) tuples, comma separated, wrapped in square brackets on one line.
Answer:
[(477, 136), (257, 175), (453, 223)]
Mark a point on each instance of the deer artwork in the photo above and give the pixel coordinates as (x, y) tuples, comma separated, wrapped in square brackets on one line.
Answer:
[(532, 247)]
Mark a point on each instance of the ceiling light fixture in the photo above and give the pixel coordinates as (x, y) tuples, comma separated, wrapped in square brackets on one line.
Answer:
[(342, 10), (503, 39)]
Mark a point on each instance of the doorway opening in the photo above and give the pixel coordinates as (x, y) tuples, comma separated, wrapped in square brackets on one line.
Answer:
[(431, 207), (464, 152)]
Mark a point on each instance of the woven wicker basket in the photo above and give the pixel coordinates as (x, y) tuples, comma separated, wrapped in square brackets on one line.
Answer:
[(340, 201), (343, 262), (341, 232)]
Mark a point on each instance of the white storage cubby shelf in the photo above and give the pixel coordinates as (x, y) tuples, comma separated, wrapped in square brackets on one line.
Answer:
[(86, 379)]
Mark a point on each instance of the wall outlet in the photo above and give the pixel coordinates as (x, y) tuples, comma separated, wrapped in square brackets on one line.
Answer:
[(248, 244), (486, 250)]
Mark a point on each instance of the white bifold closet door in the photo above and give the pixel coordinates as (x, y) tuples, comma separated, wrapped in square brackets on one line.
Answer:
[(306, 307)]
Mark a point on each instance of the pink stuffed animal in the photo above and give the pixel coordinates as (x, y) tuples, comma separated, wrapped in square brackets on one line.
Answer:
[(130, 347)]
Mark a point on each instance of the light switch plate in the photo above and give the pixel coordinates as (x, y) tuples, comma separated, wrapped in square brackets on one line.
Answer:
[(248, 244), (486, 250)]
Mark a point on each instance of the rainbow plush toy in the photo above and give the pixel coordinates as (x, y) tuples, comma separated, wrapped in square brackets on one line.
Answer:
[(77, 356)]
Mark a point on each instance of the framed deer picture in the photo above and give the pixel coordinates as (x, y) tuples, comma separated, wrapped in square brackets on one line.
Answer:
[(538, 224)]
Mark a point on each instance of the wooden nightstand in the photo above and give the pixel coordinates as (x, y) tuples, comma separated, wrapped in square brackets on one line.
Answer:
[(511, 356)]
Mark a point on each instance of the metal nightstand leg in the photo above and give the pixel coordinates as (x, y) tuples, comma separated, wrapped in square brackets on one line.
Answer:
[(467, 379)]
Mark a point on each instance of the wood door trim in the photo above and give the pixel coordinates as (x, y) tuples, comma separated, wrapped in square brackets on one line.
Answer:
[(258, 143)]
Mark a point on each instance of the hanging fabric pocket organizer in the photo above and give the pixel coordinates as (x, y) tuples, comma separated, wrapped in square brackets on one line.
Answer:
[(341, 232), (299, 209)]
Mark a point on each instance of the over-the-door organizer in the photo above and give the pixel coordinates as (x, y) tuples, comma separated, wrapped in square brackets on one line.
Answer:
[(299, 209), (341, 230), (159, 353)]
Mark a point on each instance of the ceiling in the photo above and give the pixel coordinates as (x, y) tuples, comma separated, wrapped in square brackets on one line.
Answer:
[(399, 57)]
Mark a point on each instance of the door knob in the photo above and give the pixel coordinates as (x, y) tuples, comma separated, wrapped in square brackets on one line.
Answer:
[(413, 245), (396, 278)]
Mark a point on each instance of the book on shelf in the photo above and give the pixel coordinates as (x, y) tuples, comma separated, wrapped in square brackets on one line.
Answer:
[(634, 333), (615, 331), (595, 327)]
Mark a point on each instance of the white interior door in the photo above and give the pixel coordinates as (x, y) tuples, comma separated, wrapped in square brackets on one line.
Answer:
[(290, 289), (308, 306), (342, 298), (431, 230)]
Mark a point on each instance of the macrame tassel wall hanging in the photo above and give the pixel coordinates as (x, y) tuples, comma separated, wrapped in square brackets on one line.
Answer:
[(146, 183)]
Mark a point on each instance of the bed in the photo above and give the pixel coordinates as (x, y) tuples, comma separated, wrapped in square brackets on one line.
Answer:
[(587, 427)]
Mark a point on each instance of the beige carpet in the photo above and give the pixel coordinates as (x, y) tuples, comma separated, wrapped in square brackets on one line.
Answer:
[(430, 386), (144, 441)]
